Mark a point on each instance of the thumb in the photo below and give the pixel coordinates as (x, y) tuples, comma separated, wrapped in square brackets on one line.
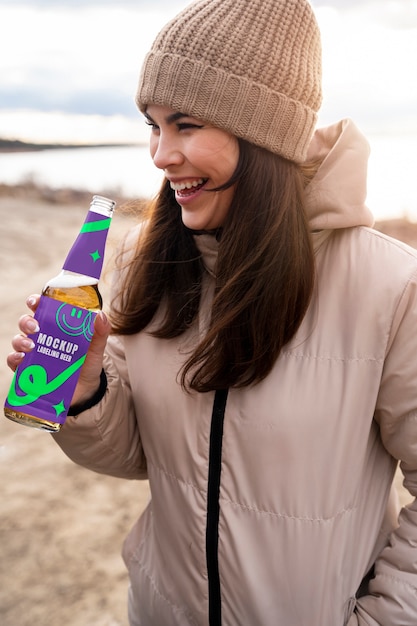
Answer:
[(102, 325), (94, 359)]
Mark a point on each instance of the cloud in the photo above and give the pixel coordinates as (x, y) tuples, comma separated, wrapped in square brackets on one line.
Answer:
[(51, 126), (394, 14), (44, 66), (368, 70), (401, 14), (91, 65), (142, 5), (97, 101), (340, 4), (397, 12)]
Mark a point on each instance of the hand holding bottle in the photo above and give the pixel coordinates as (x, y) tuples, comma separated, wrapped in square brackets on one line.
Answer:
[(45, 381), (89, 379)]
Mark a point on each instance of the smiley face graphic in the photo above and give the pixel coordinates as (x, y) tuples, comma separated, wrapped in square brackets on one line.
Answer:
[(75, 321)]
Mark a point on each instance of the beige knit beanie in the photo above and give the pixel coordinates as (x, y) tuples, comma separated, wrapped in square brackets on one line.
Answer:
[(252, 67)]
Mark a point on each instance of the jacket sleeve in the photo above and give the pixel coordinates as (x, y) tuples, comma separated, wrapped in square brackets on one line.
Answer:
[(392, 599), (106, 438)]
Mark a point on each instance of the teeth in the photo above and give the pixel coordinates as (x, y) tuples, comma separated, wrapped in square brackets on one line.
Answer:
[(187, 185)]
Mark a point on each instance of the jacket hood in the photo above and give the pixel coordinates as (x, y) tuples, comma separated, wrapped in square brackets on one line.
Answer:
[(336, 195)]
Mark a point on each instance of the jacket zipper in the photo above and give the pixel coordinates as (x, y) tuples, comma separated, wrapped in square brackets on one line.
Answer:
[(213, 507)]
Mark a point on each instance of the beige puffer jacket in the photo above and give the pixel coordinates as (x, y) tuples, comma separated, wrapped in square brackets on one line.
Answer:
[(269, 504)]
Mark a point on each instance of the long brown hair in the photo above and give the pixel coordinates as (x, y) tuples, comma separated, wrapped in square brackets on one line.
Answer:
[(264, 275)]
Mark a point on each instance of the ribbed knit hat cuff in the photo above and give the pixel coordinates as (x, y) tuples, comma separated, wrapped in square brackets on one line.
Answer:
[(264, 117)]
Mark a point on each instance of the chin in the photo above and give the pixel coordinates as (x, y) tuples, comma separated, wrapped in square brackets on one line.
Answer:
[(198, 225)]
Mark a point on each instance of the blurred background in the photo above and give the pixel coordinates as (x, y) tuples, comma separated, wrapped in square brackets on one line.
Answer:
[(69, 68), (68, 74)]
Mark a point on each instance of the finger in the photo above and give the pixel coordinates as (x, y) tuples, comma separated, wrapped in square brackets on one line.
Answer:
[(95, 353), (102, 325), (28, 325), (32, 301), (21, 343), (14, 359), (89, 380)]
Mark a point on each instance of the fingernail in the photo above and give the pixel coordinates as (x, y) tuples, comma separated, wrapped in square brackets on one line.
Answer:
[(28, 343), (31, 301), (33, 326)]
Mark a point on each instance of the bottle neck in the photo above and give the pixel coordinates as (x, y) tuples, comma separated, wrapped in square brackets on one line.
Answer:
[(87, 253)]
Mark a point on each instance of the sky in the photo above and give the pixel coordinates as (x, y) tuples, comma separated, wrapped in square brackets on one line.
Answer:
[(69, 68)]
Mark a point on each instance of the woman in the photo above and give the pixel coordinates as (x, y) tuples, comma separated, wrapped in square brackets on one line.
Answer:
[(261, 369)]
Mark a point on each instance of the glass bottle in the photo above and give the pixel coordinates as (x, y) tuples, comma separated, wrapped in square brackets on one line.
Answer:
[(44, 383)]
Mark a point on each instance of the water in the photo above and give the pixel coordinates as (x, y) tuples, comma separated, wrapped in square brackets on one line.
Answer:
[(127, 170), (130, 171)]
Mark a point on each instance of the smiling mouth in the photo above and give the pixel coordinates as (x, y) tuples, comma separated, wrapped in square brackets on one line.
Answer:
[(188, 187)]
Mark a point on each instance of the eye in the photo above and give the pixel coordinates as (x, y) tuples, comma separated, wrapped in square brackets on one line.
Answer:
[(151, 124), (188, 126)]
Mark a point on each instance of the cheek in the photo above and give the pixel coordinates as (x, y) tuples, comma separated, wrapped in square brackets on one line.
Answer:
[(217, 148), (231, 158), (224, 202), (229, 195)]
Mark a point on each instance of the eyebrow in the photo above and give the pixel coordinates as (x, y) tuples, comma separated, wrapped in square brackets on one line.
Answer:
[(170, 119)]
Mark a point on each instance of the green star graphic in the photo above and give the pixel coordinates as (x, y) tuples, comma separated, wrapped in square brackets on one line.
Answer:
[(95, 255), (59, 408)]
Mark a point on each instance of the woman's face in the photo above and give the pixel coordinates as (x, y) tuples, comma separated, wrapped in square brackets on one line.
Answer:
[(195, 158)]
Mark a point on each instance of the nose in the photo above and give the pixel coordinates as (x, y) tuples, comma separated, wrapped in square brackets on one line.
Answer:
[(165, 152)]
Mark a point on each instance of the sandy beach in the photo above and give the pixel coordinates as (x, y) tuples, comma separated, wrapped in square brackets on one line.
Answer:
[(61, 526)]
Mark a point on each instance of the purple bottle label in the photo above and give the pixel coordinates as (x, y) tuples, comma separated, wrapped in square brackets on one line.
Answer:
[(87, 253), (44, 383)]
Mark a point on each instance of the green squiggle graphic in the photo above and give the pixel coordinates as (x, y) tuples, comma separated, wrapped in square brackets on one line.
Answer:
[(33, 382)]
